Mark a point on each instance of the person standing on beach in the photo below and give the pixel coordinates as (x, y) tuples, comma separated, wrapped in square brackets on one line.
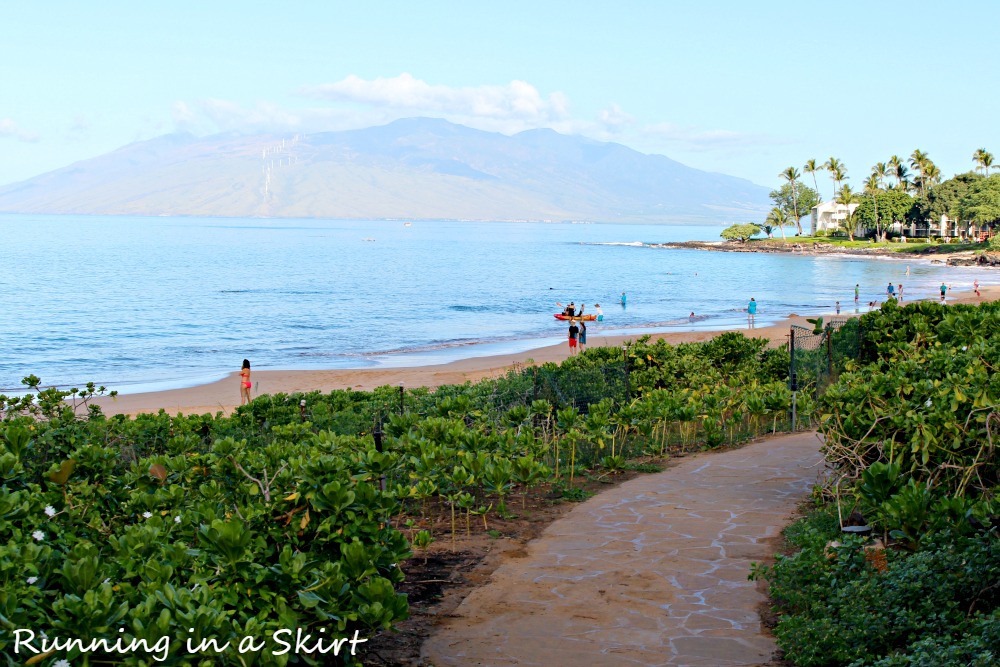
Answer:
[(890, 292), (857, 293), (600, 313), (944, 291), (245, 382), (574, 331), (583, 335), (751, 313), (900, 288), (975, 288)]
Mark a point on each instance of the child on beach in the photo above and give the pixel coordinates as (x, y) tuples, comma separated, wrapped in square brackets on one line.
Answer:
[(245, 382), (600, 313), (751, 313), (574, 331)]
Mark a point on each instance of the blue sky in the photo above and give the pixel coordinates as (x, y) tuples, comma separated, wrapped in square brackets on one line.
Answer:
[(735, 87)]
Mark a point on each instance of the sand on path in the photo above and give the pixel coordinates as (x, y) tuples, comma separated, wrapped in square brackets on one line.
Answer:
[(653, 572)]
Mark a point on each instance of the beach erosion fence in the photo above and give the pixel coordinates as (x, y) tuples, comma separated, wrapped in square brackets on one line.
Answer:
[(817, 356)]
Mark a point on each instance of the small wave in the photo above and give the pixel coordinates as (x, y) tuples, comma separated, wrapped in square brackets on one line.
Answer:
[(472, 309)]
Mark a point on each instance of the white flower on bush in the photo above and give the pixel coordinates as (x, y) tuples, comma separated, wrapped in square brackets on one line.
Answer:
[(964, 348), (31, 580), (929, 403), (61, 663), (50, 511), (177, 519), (147, 515), (38, 535), (108, 580)]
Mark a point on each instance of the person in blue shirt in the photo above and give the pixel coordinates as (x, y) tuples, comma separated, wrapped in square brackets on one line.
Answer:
[(890, 291), (751, 313), (623, 299)]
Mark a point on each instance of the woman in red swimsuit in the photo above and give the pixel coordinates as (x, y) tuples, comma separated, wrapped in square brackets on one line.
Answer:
[(245, 382)]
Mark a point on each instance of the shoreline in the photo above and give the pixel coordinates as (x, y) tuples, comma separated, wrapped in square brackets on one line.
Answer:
[(223, 395), (924, 251)]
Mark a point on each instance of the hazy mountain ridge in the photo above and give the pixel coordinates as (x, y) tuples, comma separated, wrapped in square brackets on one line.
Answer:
[(416, 168)]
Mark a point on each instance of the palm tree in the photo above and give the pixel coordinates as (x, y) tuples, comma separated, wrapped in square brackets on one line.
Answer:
[(811, 168), (847, 197), (898, 169), (778, 218), (984, 160), (919, 162), (791, 175), (837, 172), (880, 171), (872, 187)]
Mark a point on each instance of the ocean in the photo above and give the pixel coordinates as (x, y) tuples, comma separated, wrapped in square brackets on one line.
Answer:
[(141, 304)]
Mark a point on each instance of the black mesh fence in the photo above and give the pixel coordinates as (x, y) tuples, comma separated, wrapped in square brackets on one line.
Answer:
[(817, 355)]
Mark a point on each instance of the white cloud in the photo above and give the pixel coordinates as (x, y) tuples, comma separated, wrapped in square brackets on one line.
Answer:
[(699, 139), (614, 119), (8, 128), (508, 105)]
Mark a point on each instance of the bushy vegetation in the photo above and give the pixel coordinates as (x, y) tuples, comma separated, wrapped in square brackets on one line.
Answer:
[(909, 432), (289, 514)]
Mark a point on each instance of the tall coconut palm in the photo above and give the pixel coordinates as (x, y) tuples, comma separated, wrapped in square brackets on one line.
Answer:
[(846, 196), (919, 163), (811, 167), (837, 171), (872, 187), (984, 160), (791, 175), (880, 171)]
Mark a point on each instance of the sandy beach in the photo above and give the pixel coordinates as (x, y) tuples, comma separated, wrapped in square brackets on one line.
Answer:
[(223, 396)]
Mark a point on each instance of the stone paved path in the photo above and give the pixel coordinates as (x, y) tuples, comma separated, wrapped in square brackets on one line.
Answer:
[(653, 572)]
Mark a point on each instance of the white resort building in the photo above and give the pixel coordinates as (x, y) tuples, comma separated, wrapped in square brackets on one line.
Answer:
[(830, 216)]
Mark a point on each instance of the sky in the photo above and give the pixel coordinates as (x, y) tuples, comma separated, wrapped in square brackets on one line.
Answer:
[(740, 88)]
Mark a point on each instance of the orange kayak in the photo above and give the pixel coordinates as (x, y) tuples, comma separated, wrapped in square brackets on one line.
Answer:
[(585, 318)]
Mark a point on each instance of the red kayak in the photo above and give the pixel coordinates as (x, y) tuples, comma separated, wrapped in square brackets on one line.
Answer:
[(585, 318)]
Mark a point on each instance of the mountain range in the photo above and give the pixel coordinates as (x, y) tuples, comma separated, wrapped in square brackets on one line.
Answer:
[(417, 168)]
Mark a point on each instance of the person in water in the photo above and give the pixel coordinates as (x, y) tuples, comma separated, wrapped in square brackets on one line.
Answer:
[(600, 313), (570, 310), (245, 382), (623, 299), (751, 313)]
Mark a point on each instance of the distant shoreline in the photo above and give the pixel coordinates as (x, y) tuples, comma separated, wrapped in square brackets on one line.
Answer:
[(809, 248)]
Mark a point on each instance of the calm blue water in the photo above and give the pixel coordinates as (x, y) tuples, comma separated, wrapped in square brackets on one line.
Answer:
[(151, 303)]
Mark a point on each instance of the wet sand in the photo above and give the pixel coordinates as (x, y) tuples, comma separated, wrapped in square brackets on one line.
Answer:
[(223, 396)]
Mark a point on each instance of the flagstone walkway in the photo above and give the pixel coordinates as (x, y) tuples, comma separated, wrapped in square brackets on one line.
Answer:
[(653, 572)]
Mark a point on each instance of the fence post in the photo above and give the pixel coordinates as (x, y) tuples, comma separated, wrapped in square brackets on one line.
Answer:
[(793, 381), (628, 390)]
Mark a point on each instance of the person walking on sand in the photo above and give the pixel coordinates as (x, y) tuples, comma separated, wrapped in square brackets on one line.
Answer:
[(583, 336), (944, 291), (975, 287), (600, 313), (751, 313), (574, 331), (245, 382)]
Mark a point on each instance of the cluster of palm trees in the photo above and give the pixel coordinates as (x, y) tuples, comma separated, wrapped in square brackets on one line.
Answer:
[(916, 177)]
